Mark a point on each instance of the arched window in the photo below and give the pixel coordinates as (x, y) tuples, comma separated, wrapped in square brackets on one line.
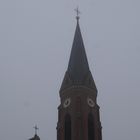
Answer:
[(90, 127), (67, 127)]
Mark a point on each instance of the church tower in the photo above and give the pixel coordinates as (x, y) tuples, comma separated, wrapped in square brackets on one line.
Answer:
[(78, 112)]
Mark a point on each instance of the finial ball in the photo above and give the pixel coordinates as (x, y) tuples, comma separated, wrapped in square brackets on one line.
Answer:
[(78, 13)]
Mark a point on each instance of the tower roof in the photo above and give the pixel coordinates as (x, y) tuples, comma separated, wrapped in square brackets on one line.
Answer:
[(78, 64), (78, 72), (36, 137)]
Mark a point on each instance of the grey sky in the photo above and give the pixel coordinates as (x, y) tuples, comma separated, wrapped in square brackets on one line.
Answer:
[(35, 42)]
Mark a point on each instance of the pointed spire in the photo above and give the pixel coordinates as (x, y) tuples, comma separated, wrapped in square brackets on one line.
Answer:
[(78, 72), (78, 64), (36, 137)]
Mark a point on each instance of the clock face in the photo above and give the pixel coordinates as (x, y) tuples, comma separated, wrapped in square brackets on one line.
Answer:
[(90, 102), (67, 102)]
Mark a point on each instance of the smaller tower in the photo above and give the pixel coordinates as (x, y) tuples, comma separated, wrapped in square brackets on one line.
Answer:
[(36, 137)]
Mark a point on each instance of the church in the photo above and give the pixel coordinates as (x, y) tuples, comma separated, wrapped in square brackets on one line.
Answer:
[(78, 112)]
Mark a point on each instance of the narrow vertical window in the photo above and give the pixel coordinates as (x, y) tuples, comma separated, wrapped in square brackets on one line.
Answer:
[(67, 127), (90, 127)]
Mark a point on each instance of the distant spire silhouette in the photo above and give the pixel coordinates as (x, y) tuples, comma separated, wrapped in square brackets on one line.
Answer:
[(36, 137)]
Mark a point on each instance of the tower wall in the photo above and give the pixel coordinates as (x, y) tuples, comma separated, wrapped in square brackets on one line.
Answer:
[(79, 110)]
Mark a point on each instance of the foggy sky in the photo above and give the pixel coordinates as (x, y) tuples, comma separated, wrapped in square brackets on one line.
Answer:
[(35, 42)]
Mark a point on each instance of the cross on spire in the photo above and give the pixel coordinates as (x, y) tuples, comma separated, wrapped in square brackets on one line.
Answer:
[(78, 13), (36, 128)]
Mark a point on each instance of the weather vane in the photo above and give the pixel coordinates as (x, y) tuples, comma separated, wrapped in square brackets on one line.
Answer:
[(36, 128), (77, 12)]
